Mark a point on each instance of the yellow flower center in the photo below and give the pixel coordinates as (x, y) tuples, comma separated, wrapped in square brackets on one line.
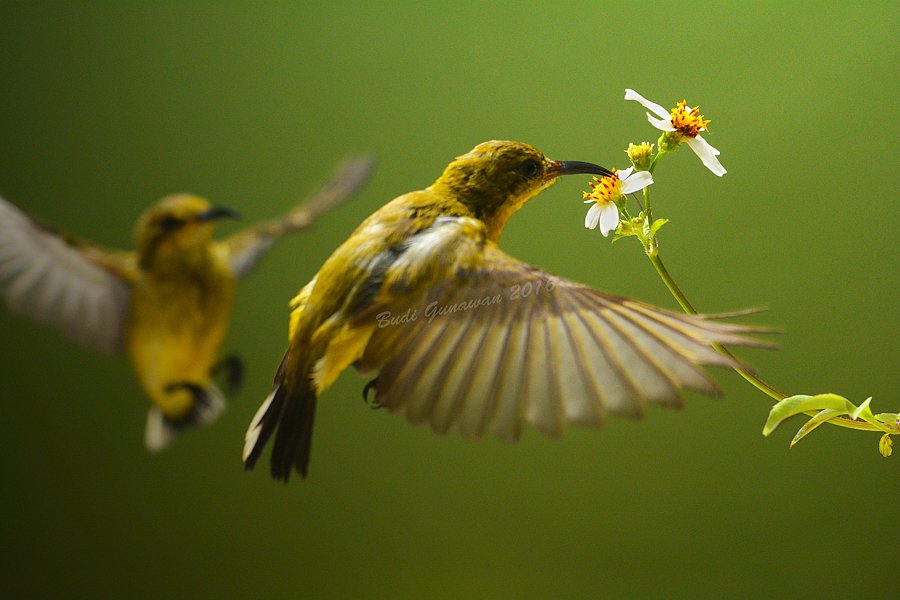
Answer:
[(604, 189), (688, 121)]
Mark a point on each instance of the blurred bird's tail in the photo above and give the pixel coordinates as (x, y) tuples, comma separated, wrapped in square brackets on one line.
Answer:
[(289, 412), (161, 431)]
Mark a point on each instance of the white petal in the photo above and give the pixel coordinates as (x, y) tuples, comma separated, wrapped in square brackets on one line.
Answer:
[(625, 173), (707, 155), (662, 124), (655, 108), (593, 217), (706, 145), (609, 218), (637, 181)]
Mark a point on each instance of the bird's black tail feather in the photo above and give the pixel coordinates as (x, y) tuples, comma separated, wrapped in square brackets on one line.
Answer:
[(288, 412), (294, 436)]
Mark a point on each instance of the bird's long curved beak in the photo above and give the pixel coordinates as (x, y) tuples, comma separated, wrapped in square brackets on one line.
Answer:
[(217, 212), (575, 167)]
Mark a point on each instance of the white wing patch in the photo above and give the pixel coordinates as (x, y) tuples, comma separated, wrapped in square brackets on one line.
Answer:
[(439, 247)]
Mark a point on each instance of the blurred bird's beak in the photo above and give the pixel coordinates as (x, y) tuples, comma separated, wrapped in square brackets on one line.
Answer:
[(217, 212), (575, 167)]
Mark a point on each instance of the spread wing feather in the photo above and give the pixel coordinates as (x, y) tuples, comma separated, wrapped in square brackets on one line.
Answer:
[(516, 345), (247, 247), (64, 283)]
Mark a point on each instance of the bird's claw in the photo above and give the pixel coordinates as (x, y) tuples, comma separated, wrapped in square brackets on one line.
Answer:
[(201, 403), (233, 367), (374, 403)]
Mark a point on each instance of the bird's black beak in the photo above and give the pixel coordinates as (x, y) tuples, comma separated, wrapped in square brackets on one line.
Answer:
[(575, 167), (217, 212)]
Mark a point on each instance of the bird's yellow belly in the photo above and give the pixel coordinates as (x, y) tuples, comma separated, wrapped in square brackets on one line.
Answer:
[(175, 338)]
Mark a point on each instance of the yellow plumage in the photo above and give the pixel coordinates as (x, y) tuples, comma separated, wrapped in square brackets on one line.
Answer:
[(167, 304), (465, 336), (180, 307)]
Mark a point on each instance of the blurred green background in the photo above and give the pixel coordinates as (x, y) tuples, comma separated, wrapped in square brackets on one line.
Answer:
[(108, 106)]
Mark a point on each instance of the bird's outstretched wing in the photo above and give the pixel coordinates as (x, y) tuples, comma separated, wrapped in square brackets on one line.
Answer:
[(248, 246), (65, 283), (498, 344)]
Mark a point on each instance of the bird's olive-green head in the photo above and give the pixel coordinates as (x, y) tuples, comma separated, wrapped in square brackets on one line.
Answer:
[(496, 178), (176, 225)]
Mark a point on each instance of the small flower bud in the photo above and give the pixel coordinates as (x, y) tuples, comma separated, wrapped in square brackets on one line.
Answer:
[(885, 445), (669, 140), (640, 155)]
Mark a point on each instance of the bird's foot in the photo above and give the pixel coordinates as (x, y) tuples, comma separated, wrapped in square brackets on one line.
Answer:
[(372, 385), (202, 409), (233, 367)]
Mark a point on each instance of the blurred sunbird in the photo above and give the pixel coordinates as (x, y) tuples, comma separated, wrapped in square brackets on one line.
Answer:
[(465, 336), (167, 304)]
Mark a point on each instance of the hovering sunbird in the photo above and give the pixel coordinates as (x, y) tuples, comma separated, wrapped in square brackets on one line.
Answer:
[(167, 303), (463, 335)]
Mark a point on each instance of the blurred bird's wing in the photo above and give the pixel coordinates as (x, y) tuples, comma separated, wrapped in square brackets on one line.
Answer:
[(63, 282), (248, 246), (494, 343)]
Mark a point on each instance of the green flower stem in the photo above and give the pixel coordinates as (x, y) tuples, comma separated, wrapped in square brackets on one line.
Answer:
[(651, 249), (689, 309), (651, 246), (654, 160), (653, 254)]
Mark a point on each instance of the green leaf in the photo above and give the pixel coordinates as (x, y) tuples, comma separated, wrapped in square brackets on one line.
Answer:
[(656, 225), (794, 405), (889, 418), (821, 417), (863, 409)]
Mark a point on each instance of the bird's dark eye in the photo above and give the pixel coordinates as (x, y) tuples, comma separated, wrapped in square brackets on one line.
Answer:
[(169, 223), (531, 168)]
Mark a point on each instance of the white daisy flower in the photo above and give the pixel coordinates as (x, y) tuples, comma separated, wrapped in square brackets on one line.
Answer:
[(606, 192), (682, 124)]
